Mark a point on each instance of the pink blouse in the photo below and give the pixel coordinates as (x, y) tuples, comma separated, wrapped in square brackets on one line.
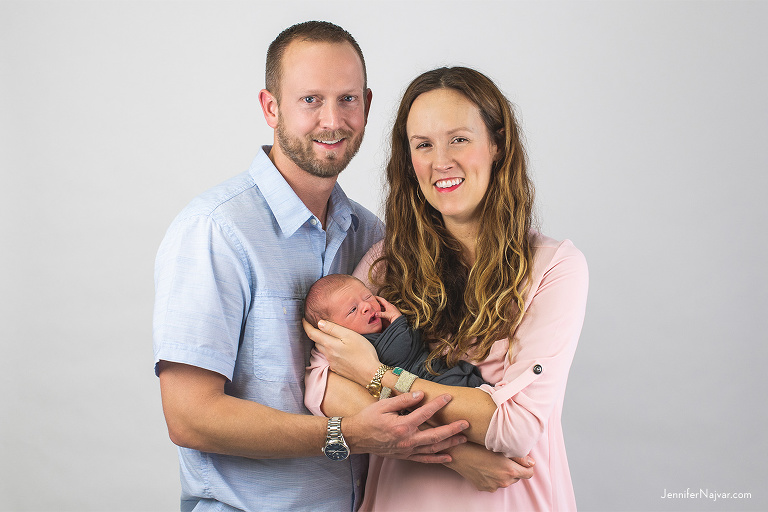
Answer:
[(529, 390)]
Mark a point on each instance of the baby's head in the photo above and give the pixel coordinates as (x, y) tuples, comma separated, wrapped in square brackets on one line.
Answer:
[(344, 300)]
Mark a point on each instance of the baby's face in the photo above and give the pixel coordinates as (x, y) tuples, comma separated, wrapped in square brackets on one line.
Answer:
[(355, 307)]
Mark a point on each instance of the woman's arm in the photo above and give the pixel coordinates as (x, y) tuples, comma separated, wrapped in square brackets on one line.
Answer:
[(512, 418), (486, 470), (353, 357)]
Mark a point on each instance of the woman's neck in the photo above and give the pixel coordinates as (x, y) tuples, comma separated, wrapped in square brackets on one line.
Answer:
[(466, 234)]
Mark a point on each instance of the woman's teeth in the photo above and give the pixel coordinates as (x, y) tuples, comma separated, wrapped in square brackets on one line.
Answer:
[(448, 183)]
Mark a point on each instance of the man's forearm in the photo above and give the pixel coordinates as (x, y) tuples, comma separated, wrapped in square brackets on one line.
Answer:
[(201, 416)]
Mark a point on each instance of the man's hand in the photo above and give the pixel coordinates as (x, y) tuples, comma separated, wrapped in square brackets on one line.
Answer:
[(389, 313), (488, 471), (381, 430)]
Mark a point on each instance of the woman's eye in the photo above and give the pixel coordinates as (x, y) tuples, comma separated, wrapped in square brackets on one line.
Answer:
[(422, 145), (460, 139)]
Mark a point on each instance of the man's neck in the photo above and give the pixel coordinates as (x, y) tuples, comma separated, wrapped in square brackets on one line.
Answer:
[(313, 191)]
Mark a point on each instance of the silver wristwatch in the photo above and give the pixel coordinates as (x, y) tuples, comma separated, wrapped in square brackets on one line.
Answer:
[(335, 447)]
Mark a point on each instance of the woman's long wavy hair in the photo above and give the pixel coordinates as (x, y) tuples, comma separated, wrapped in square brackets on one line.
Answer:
[(421, 270)]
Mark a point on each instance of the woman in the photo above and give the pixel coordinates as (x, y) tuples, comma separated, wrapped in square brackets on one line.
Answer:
[(461, 262)]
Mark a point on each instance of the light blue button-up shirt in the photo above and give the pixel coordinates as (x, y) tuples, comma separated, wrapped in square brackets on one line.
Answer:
[(230, 278)]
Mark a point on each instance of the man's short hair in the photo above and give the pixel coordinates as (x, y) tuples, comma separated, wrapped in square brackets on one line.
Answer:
[(314, 31)]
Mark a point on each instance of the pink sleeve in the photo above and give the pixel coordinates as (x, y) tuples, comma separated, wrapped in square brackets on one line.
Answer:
[(315, 380), (361, 272), (316, 376), (545, 343)]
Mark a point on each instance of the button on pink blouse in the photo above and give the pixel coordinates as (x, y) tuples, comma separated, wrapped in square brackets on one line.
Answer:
[(528, 391)]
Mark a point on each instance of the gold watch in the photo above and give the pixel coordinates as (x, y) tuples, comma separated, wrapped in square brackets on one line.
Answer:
[(374, 388)]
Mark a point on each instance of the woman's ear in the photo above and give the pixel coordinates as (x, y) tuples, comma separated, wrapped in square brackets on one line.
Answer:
[(499, 144)]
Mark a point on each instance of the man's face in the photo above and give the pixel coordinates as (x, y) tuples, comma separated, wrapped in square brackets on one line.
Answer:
[(322, 110)]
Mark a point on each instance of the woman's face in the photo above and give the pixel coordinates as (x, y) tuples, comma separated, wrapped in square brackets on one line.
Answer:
[(452, 154)]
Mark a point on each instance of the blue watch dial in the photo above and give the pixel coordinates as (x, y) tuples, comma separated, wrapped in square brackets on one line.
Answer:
[(336, 451)]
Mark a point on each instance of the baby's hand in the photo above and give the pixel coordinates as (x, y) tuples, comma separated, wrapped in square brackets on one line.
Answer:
[(389, 313)]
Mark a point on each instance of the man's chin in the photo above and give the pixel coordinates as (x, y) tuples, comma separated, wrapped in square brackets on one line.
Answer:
[(325, 167)]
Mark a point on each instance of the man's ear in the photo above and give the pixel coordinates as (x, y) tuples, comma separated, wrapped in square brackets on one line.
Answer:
[(269, 106), (368, 96)]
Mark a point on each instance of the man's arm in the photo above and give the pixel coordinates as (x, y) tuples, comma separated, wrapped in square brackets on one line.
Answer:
[(486, 470), (201, 416)]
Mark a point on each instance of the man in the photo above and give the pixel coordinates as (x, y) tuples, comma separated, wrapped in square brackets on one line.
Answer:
[(230, 277)]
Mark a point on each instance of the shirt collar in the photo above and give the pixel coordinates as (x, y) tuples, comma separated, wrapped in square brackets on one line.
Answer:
[(289, 211)]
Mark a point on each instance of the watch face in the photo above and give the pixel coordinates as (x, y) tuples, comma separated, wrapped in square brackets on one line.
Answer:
[(336, 451)]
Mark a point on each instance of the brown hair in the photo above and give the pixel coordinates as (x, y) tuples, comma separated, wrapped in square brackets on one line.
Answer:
[(317, 304), (423, 272), (315, 31)]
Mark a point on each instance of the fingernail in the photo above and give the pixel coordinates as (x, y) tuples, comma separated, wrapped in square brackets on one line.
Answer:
[(321, 323), (464, 426), (530, 461), (447, 398)]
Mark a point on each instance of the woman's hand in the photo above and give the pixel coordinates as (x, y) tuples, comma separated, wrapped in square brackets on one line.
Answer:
[(389, 313), (488, 471), (348, 353)]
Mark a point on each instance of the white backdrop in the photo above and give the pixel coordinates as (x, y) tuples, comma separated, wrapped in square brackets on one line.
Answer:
[(646, 123)]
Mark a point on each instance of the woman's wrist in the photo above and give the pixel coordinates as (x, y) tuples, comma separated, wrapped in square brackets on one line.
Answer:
[(399, 380), (373, 384)]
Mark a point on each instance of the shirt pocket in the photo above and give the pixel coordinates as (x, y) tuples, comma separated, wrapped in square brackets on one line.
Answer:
[(280, 346)]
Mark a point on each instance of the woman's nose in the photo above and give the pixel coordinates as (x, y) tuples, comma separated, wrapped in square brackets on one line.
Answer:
[(443, 160)]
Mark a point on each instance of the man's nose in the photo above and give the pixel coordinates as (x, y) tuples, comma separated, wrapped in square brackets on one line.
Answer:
[(330, 116)]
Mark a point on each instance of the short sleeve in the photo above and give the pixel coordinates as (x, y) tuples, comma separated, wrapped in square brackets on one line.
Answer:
[(201, 296), (545, 342)]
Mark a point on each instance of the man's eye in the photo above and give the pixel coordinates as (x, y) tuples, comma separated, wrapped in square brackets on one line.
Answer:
[(348, 98), (309, 99)]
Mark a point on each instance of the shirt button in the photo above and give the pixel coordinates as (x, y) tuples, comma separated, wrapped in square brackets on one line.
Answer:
[(537, 369), (313, 221)]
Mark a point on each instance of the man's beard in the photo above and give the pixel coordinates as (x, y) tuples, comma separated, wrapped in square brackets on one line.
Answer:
[(300, 151)]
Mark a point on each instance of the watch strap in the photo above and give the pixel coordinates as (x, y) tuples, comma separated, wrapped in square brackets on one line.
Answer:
[(374, 388)]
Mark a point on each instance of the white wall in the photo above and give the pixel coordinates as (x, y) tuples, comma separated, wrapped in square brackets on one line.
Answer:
[(646, 124)]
